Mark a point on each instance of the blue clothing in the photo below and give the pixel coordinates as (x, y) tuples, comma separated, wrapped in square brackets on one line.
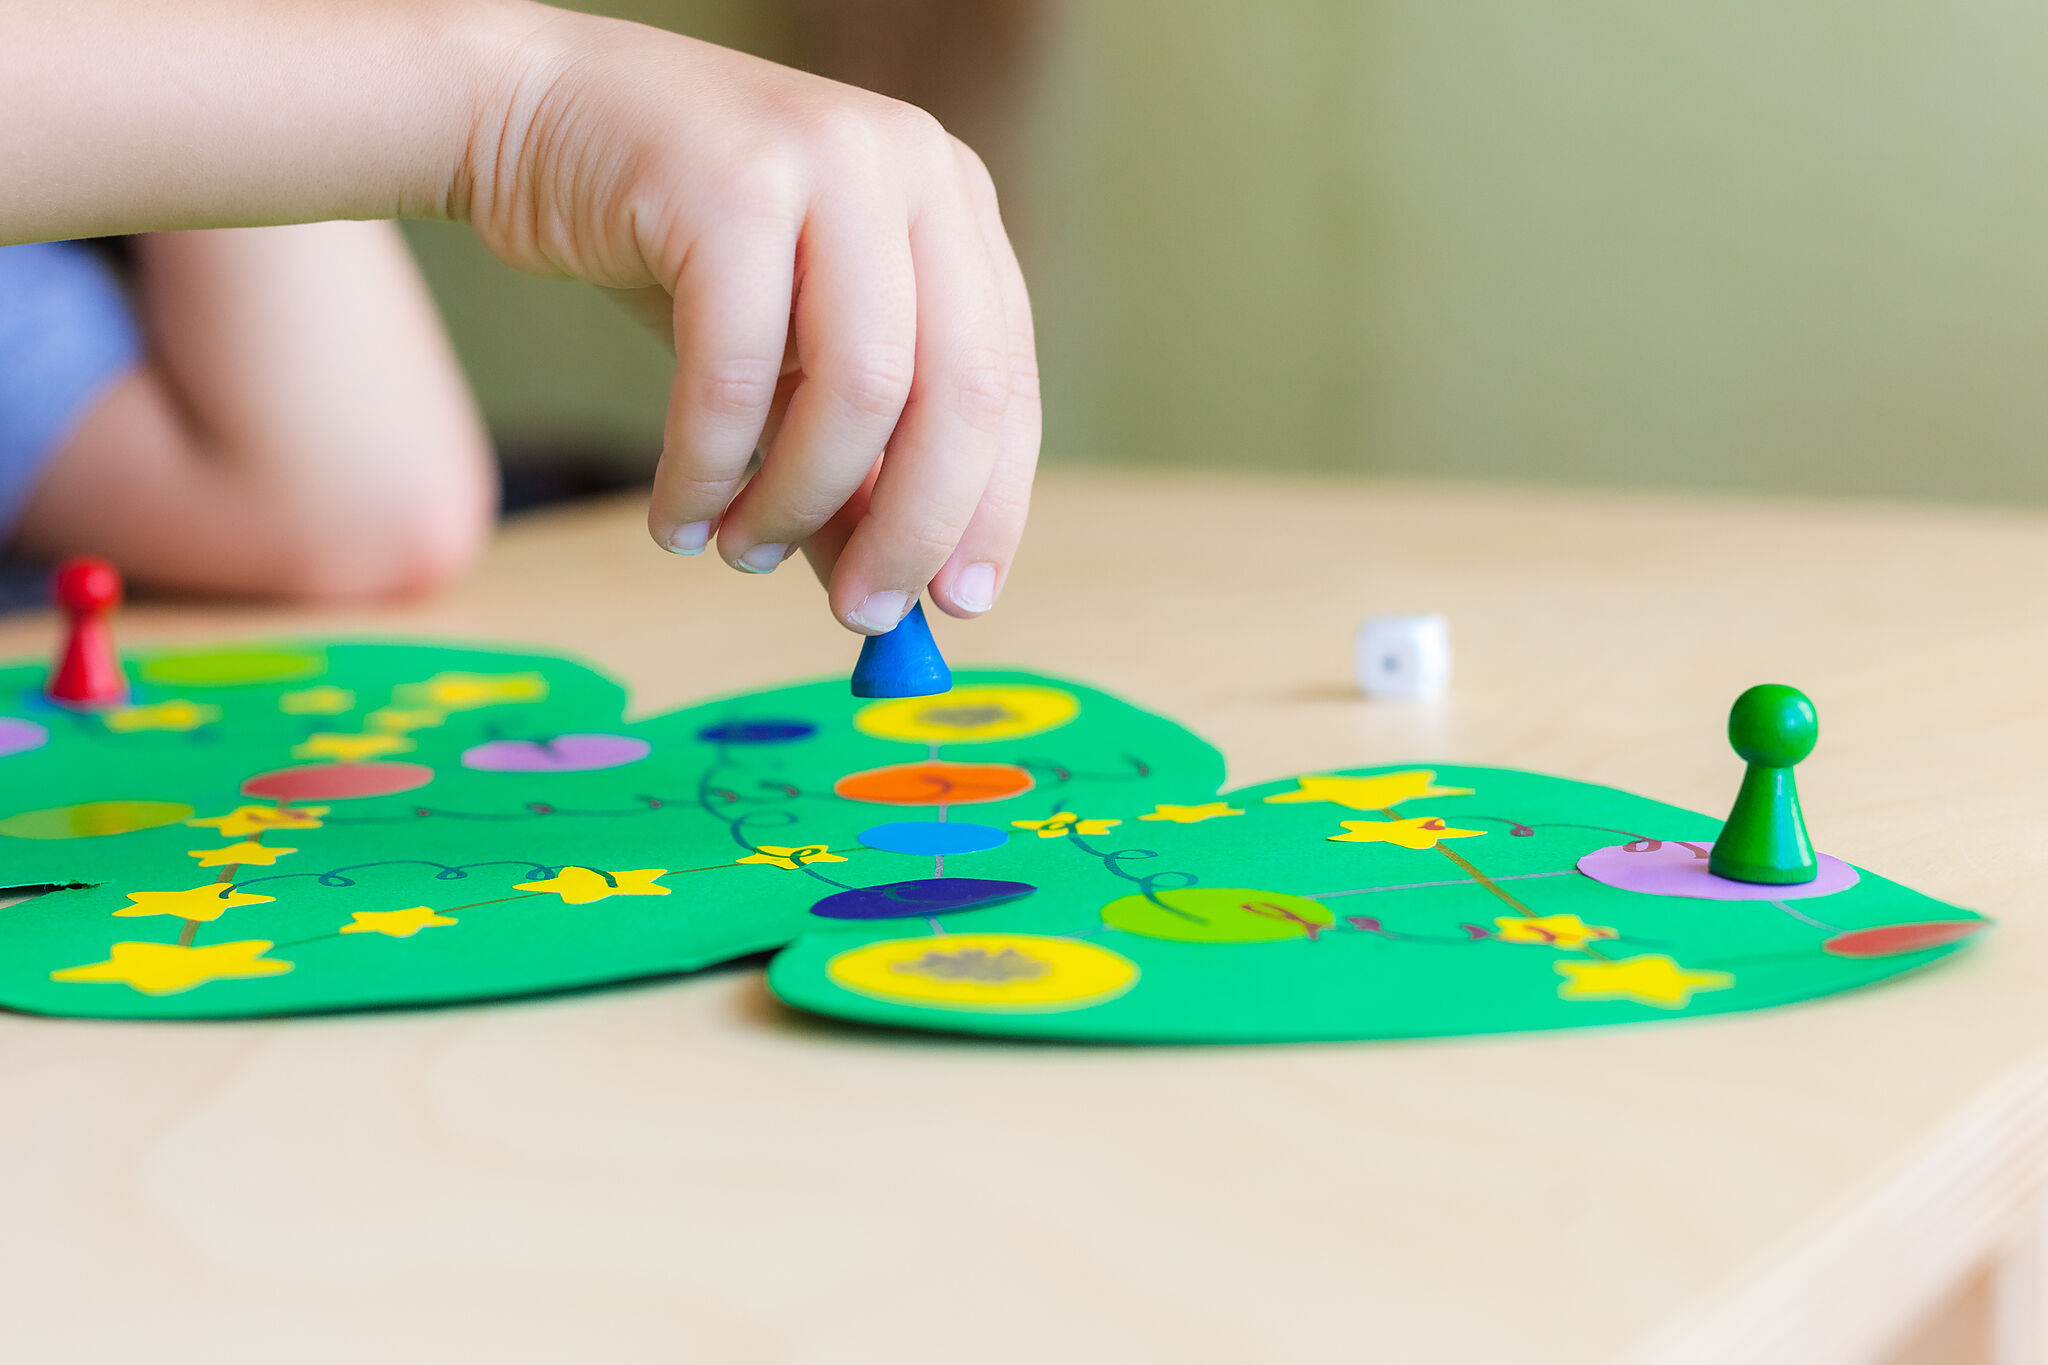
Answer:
[(66, 334)]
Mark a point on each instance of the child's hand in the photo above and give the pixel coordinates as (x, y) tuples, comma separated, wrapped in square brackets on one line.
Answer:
[(837, 275)]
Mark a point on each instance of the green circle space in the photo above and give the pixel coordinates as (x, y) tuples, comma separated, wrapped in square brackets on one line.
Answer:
[(1218, 914), (232, 667), (93, 819)]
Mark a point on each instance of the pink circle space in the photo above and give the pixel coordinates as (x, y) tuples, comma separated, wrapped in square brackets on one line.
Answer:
[(1680, 869), (337, 781)]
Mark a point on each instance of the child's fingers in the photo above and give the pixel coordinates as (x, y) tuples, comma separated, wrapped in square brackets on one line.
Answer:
[(973, 577), (785, 389), (856, 338), (823, 549), (731, 325), (939, 458)]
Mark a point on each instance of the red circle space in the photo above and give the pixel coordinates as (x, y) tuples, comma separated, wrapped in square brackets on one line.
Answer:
[(1889, 940), (337, 781)]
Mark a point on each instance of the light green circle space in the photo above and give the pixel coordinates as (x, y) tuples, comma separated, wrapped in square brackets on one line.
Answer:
[(1218, 914), (232, 667), (93, 819)]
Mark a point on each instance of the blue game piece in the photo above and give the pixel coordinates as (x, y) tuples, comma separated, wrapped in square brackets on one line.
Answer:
[(904, 662)]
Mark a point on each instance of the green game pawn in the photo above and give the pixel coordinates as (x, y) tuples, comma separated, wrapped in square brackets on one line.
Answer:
[(1773, 727)]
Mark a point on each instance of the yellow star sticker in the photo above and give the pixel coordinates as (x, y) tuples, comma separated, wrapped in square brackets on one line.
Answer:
[(1368, 793), (393, 720), (317, 701), (397, 923), (1192, 815), (167, 968), (467, 691), (352, 748), (256, 819), (790, 859), (1421, 832), (1555, 931), (1652, 979), (1059, 826), (165, 715), (235, 855), (582, 885), (201, 902)]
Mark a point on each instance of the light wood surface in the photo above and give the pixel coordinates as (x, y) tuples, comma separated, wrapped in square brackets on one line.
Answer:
[(683, 1171)]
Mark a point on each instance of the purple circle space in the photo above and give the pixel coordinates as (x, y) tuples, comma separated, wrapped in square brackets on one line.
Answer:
[(562, 754), (19, 736), (1667, 869)]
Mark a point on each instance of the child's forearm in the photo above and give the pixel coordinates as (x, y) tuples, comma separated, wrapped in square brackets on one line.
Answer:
[(311, 359), (300, 428), (136, 115)]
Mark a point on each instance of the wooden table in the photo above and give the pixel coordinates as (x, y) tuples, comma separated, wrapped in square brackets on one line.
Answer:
[(683, 1171)]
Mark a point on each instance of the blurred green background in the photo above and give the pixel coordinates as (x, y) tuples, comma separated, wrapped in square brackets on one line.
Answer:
[(1785, 246)]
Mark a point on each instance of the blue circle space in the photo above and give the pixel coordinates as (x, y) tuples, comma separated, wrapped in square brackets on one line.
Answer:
[(930, 896), (932, 837), (757, 731)]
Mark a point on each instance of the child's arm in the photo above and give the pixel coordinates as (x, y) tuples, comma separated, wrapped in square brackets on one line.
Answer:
[(793, 226), (301, 427)]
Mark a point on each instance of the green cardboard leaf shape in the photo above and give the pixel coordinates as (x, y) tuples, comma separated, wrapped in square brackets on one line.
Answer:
[(1374, 903), (303, 826), (468, 823)]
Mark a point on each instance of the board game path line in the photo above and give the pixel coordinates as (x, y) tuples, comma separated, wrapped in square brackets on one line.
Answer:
[(1455, 881), (495, 900), (1489, 883), (523, 896), (227, 874), (1464, 865), (1803, 919), (357, 867), (192, 926), (1474, 873), (1522, 830), (449, 910)]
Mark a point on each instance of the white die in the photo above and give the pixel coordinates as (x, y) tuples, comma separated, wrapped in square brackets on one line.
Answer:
[(1404, 658)]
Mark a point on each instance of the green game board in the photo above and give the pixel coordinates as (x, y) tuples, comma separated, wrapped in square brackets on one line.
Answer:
[(307, 826)]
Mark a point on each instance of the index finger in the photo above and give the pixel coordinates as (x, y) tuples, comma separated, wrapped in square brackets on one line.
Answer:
[(938, 460)]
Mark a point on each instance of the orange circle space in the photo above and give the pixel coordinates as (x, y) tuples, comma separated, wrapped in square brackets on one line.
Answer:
[(935, 782)]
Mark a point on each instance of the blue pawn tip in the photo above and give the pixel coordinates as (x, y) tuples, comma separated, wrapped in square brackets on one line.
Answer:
[(903, 663)]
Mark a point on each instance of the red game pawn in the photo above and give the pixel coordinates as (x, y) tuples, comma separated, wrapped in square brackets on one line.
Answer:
[(88, 672)]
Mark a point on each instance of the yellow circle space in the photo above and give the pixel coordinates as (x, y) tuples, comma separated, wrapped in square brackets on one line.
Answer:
[(970, 715), (1022, 972), (93, 819)]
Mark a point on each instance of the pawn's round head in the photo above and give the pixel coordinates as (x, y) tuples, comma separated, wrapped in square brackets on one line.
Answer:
[(86, 584), (1773, 724)]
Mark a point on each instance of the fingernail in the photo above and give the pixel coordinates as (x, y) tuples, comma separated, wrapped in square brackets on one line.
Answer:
[(691, 539), (880, 611), (762, 558), (975, 588)]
